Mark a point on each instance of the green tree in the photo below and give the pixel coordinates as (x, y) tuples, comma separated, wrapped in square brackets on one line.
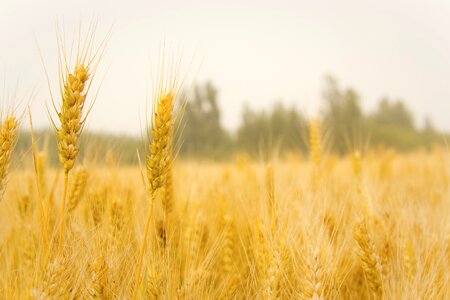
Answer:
[(342, 115), (200, 131), (281, 129), (394, 114), (392, 124)]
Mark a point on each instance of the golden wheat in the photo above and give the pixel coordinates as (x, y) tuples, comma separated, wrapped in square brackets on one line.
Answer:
[(360, 228), (8, 137)]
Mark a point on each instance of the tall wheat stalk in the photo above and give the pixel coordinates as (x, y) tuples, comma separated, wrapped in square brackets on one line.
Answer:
[(74, 86), (160, 157), (38, 171)]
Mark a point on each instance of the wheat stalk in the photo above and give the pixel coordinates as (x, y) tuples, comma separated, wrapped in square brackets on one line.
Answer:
[(315, 144), (77, 189), (75, 85), (160, 158), (369, 259), (8, 137)]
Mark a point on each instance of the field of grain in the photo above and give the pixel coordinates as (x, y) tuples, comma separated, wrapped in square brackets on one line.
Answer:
[(372, 224), (348, 228)]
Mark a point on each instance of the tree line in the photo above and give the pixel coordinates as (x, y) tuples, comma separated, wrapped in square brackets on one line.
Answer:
[(345, 125), (200, 132)]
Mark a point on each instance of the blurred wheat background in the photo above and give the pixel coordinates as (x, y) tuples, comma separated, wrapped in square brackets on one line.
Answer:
[(348, 202)]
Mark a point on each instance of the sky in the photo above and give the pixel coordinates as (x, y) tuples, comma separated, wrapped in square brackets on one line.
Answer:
[(254, 52)]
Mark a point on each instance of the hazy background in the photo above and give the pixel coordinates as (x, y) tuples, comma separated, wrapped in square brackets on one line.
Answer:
[(254, 52)]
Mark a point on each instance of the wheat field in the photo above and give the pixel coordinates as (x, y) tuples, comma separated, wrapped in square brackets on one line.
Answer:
[(240, 230), (370, 225)]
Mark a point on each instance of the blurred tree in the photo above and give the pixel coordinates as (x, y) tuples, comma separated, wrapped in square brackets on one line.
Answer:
[(429, 133), (254, 129), (281, 129), (392, 124), (429, 127), (393, 113), (342, 115), (200, 131)]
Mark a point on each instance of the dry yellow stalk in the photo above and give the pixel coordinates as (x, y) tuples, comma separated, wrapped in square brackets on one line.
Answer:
[(159, 159), (272, 285), (370, 261), (58, 281), (386, 257), (228, 259), (154, 283), (357, 164), (97, 280), (77, 189), (25, 207), (315, 144), (168, 203), (194, 236), (117, 221), (71, 115), (28, 251), (313, 288), (8, 137), (315, 149), (41, 162), (74, 87), (72, 122), (272, 205), (228, 245), (96, 207), (447, 248), (259, 247), (409, 259)]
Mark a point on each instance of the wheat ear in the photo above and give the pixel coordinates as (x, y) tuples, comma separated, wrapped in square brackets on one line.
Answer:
[(370, 261), (8, 137), (73, 111), (160, 159), (70, 116)]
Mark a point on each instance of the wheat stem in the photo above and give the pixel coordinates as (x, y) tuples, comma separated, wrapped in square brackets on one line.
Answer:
[(62, 213), (142, 251)]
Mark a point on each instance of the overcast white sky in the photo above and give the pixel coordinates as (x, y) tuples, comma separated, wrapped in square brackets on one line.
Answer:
[(255, 52)]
